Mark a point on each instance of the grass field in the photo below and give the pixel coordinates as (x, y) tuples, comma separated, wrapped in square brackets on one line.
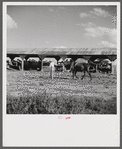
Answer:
[(33, 92)]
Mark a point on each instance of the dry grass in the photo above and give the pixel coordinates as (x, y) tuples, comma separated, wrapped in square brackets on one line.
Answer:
[(26, 94), (45, 104)]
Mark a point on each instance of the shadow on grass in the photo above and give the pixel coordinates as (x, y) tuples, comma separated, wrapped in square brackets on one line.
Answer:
[(55, 77)]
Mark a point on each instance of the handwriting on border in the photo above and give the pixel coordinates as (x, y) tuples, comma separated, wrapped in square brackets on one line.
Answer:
[(61, 117)]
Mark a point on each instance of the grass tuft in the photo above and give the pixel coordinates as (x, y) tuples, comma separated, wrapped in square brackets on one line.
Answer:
[(45, 104)]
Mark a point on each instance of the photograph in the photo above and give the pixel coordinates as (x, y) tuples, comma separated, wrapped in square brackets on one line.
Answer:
[(61, 61)]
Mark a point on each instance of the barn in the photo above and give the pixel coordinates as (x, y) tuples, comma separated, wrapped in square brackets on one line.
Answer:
[(49, 59), (58, 53), (32, 63)]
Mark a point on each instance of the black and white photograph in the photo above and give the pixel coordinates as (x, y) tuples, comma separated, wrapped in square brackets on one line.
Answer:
[(63, 60)]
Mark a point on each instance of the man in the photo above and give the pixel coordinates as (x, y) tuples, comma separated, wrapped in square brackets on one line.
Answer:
[(52, 69)]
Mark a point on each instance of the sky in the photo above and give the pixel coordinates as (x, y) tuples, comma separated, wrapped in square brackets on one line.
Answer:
[(61, 26)]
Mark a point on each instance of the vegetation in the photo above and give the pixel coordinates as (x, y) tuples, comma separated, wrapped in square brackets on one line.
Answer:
[(46, 104)]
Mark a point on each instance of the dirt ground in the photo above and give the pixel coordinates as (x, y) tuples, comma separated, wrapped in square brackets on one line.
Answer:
[(27, 83)]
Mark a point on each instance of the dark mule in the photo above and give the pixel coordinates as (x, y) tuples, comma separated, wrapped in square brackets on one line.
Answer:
[(80, 66), (67, 64)]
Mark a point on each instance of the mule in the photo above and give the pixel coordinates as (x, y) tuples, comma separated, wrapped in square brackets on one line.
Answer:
[(67, 64), (81, 66)]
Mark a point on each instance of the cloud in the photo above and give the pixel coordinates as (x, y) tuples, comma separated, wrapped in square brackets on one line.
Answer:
[(107, 44), (96, 12), (89, 24), (99, 12), (84, 15), (47, 42), (101, 31), (94, 31), (108, 34), (112, 34), (11, 23)]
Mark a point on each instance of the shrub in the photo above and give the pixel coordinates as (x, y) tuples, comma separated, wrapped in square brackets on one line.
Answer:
[(45, 104)]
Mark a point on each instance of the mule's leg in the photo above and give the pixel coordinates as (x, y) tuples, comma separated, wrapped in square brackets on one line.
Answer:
[(75, 75), (72, 74), (83, 75), (89, 75)]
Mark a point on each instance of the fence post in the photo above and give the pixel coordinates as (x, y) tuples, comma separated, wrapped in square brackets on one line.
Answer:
[(22, 57), (41, 57)]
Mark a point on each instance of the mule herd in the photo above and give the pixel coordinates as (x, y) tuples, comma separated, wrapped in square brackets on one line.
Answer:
[(79, 65), (87, 66)]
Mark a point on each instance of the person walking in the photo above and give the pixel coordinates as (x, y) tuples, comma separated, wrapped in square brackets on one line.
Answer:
[(52, 69)]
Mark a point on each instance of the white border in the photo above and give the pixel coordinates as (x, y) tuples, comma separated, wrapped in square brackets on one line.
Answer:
[(80, 130), (61, 3)]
